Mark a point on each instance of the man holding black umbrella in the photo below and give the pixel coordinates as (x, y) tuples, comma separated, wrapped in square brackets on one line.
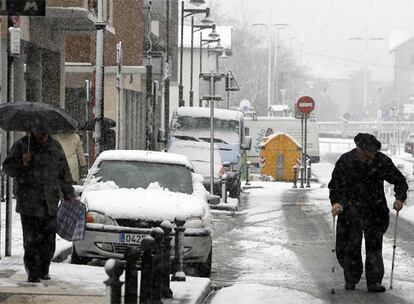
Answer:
[(39, 166), (358, 199)]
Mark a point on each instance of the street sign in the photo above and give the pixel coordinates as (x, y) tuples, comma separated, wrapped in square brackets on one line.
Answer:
[(305, 104), (23, 7)]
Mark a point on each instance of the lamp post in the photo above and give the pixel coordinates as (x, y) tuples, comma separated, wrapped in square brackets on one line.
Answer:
[(204, 42), (278, 26), (189, 12), (196, 28), (366, 39)]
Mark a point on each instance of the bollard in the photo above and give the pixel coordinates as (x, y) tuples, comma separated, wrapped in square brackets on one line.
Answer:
[(224, 188), (248, 163), (158, 234), (179, 274), (308, 175), (295, 176), (166, 291), (131, 255), (302, 170), (145, 293), (114, 269), (2, 181)]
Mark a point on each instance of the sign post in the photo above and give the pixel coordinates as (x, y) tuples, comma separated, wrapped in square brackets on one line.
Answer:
[(305, 105)]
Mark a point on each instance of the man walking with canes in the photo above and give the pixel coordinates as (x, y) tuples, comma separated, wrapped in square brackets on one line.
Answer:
[(357, 198)]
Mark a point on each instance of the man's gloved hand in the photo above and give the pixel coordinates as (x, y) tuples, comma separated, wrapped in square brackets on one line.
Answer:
[(26, 158), (336, 209), (398, 205)]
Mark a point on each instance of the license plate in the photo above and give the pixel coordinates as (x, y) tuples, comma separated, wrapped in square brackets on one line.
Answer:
[(130, 238)]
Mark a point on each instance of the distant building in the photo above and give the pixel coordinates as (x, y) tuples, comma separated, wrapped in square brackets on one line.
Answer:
[(402, 46)]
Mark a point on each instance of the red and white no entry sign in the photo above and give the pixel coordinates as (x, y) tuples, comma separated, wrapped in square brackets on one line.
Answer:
[(305, 104)]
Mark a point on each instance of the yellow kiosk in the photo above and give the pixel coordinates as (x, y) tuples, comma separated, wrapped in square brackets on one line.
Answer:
[(280, 153)]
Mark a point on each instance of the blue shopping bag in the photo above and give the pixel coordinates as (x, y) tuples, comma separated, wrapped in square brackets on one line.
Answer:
[(71, 221)]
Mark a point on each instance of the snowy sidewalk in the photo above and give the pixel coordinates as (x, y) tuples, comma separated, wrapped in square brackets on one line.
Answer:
[(70, 284), (78, 284)]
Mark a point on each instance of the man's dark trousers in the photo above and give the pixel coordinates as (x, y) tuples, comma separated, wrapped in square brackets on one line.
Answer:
[(350, 227), (39, 242)]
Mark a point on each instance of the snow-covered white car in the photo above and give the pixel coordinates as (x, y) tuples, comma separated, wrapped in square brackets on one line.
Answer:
[(129, 192), (198, 152)]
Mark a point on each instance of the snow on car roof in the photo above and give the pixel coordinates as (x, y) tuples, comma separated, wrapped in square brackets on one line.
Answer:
[(145, 156), (205, 112), (195, 150), (192, 144)]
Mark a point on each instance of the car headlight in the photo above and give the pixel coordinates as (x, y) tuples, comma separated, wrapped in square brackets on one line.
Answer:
[(194, 222), (100, 218)]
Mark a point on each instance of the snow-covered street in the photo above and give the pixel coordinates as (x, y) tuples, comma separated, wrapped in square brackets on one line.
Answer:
[(278, 247)]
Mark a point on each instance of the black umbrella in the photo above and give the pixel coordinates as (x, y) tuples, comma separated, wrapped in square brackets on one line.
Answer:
[(28, 116)]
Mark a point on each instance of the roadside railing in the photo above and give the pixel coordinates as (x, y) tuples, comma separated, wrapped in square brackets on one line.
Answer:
[(155, 267)]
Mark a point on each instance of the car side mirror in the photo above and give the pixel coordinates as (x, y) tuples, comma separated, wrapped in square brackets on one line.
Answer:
[(161, 136), (247, 143), (213, 199)]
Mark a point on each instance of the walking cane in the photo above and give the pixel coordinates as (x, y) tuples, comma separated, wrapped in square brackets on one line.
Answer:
[(333, 254), (393, 250)]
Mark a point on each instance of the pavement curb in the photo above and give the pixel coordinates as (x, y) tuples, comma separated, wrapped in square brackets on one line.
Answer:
[(204, 294)]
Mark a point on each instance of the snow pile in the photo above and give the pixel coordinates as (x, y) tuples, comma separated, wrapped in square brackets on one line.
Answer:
[(153, 203)]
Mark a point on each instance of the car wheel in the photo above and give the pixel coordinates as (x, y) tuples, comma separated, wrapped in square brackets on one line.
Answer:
[(76, 259), (204, 269)]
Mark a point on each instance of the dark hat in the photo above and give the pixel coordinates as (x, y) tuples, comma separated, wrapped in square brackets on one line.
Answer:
[(367, 142)]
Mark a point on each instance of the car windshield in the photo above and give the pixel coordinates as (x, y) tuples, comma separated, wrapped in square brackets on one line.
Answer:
[(199, 127), (137, 174)]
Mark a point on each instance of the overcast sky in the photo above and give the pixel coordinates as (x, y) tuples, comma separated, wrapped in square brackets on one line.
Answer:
[(323, 27)]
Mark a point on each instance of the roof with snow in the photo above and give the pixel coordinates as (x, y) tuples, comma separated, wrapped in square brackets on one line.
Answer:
[(225, 32), (205, 112), (145, 156), (399, 38), (269, 138)]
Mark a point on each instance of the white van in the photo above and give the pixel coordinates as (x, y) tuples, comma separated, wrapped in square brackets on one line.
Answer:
[(259, 127), (193, 123)]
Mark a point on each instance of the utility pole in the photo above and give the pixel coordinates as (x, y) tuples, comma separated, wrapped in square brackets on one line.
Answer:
[(167, 74), (87, 133), (118, 93), (278, 27), (100, 74)]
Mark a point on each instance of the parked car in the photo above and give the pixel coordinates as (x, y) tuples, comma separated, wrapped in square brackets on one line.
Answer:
[(129, 192), (229, 135), (409, 144), (198, 152)]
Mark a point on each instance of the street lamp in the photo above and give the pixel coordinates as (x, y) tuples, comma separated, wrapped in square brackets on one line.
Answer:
[(205, 42), (366, 39), (190, 12), (202, 43), (196, 28), (278, 27)]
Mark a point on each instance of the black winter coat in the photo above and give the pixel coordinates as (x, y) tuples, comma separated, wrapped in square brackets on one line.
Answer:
[(39, 184), (361, 183)]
